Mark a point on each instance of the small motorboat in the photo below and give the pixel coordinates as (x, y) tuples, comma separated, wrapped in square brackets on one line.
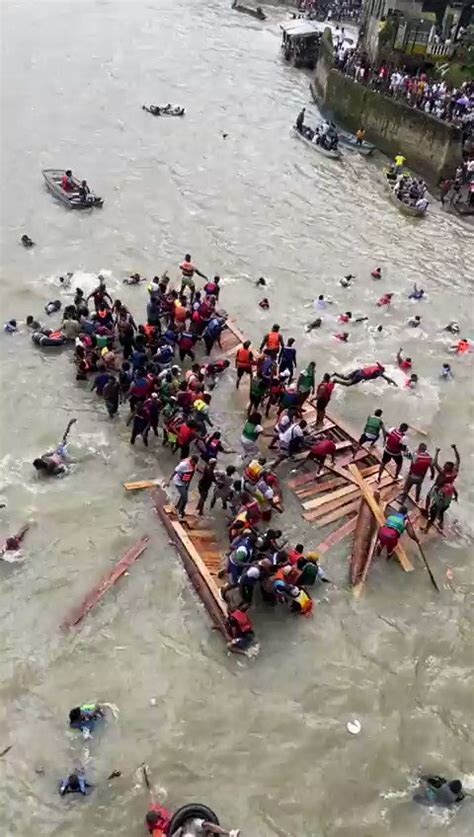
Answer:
[(248, 10), (403, 206), (349, 141), (333, 154), (166, 110), (53, 179)]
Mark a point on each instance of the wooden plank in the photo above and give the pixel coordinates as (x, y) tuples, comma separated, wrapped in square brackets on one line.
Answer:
[(340, 492), (318, 487), (342, 511), (380, 517), (105, 584), (138, 486), (310, 476), (337, 536), (330, 508), (199, 563)]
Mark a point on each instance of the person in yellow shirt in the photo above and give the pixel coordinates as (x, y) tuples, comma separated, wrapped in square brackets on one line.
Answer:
[(360, 136), (400, 161)]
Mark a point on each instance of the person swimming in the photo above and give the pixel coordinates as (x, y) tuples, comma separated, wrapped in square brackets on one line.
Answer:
[(446, 372), (264, 303), (346, 281), (85, 717), (10, 327), (52, 307), (417, 293), (26, 241), (54, 463), (75, 783), (436, 790), (315, 324), (377, 273)]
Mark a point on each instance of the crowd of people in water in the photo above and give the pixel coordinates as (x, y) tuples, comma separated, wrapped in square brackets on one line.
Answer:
[(161, 370)]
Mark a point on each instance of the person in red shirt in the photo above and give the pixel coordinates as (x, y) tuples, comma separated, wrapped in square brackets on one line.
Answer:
[(405, 363), (319, 451), (323, 397), (67, 183), (421, 463), (386, 299)]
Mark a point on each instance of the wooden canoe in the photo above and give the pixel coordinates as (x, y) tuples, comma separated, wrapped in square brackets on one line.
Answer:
[(404, 208)]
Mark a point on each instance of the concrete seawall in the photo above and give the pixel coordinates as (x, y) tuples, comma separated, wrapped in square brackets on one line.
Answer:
[(431, 147)]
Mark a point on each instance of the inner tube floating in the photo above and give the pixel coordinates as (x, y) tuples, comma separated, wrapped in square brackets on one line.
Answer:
[(194, 811), (48, 340)]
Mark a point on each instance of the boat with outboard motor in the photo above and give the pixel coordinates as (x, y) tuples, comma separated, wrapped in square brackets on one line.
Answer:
[(74, 200)]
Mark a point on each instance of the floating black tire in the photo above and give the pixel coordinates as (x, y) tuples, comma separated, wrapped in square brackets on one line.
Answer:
[(191, 812)]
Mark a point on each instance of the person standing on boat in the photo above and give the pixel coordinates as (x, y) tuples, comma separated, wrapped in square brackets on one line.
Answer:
[(395, 447), (360, 136), (188, 269), (421, 463), (182, 476), (300, 120), (373, 426), (400, 161), (323, 397)]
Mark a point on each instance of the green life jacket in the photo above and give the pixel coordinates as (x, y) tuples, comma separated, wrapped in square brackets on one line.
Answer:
[(250, 432), (88, 707), (397, 522), (373, 425)]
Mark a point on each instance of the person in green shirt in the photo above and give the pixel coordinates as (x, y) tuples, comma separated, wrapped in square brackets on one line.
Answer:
[(305, 385), (373, 426)]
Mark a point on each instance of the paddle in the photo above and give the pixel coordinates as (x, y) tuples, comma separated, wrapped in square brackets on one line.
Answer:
[(418, 430), (432, 578)]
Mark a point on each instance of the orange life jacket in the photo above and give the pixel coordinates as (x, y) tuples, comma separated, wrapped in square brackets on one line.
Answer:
[(273, 341), (244, 359)]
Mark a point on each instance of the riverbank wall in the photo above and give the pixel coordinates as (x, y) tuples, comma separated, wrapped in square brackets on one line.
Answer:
[(432, 148)]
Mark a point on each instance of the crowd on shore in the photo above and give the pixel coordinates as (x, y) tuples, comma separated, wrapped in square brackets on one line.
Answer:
[(453, 105)]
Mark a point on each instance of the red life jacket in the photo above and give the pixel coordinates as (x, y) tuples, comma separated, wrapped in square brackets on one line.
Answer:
[(213, 447), (186, 476), (405, 364), (324, 390), (211, 289), (294, 556), (244, 359), (393, 442), (253, 511), (164, 820), (447, 478), (239, 624), (421, 463), (372, 371)]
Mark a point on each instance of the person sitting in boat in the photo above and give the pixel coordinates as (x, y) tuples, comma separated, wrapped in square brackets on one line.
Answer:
[(389, 534), (422, 204), (300, 120), (85, 193), (317, 136), (67, 182)]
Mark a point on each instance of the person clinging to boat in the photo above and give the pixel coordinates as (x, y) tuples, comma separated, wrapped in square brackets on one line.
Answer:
[(300, 120)]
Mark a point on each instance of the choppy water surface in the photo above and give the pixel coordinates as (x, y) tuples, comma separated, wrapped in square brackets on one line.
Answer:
[(264, 742)]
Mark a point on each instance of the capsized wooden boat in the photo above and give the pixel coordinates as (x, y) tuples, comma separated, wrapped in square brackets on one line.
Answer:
[(72, 200), (405, 208), (335, 154), (248, 10), (200, 554)]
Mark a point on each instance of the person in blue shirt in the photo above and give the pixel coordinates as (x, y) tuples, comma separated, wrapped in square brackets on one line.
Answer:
[(75, 783), (100, 381), (86, 716), (287, 359), (212, 332)]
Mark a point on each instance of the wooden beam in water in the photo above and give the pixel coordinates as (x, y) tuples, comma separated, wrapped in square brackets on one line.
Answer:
[(380, 517), (105, 584), (337, 536)]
